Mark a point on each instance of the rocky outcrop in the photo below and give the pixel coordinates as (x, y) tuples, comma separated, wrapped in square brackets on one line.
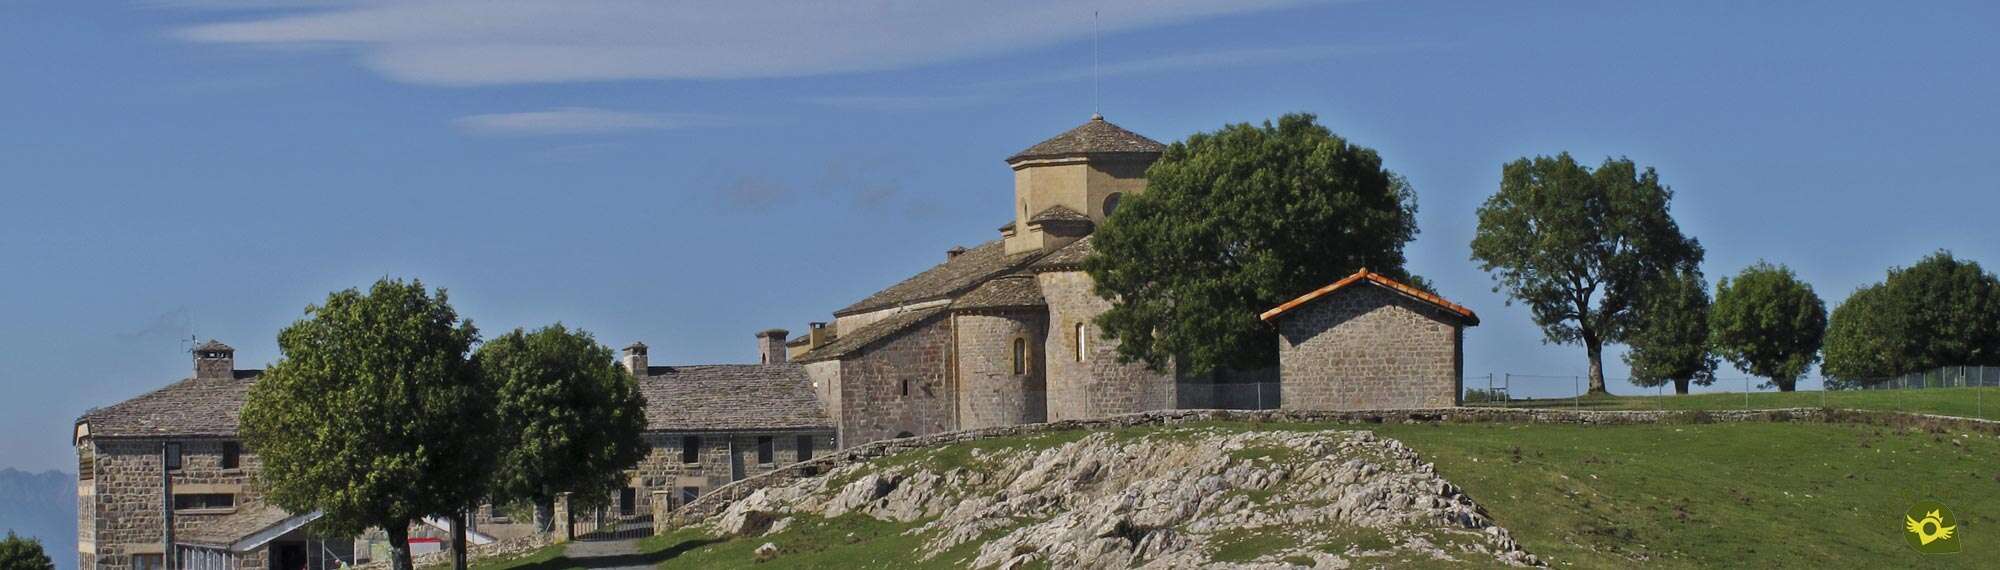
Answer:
[(1164, 498)]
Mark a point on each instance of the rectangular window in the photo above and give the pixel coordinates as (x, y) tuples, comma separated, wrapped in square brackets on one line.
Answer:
[(173, 456), (232, 455), (1020, 356), (628, 501), (689, 494), (204, 501), (691, 449), (767, 452), (805, 447), (147, 562)]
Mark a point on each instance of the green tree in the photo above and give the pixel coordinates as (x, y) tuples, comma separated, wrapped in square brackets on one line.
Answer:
[(1580, 247), (1234, 222), (1768, 323), (1669, 338), (1943, 311), (20, 553), (571, 419), (374, 416)]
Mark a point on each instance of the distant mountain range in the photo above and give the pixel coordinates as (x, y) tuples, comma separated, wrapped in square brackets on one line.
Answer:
[(41, 505)]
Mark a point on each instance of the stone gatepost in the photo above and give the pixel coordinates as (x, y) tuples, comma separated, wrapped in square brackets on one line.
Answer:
[(560, 527), (663, 512)]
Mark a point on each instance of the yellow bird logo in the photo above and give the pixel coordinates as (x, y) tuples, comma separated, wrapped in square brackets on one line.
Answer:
[(1930, 529)]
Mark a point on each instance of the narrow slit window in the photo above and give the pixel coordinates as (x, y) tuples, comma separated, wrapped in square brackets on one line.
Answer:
[(1020, 356), (906, 386), (1082, 342)]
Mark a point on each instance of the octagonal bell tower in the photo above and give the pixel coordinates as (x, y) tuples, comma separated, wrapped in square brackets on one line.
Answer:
[(1065, 186)]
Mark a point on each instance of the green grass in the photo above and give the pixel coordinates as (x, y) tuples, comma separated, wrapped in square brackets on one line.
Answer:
[(1741, 495), (1963, 402)]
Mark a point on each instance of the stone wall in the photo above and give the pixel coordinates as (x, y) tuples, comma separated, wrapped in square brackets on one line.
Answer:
[(825, 375), (1365, 347), (662, 473), (495, 549), (1099, 385), (713, 503), (990, 392), (119, 508), (873, 402)]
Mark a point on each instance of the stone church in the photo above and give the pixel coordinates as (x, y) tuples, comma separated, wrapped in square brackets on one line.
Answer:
[(1003, 333)]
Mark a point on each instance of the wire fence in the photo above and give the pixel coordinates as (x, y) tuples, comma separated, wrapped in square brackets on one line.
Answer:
[(1954, 391)]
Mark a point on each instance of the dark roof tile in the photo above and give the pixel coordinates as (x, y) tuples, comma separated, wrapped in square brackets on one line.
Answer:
[(731, 397), (1095, 137), (944, 280), (191, 407), (1006, 291), (857, 340)]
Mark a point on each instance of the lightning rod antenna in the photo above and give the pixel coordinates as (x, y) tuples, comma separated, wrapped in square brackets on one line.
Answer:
[(1096, 72)]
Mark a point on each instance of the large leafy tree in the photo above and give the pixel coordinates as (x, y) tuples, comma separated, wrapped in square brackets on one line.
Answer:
[(1669, 339), (1943, 311), (1581, 247), (571, 419), (20, 553), (374, 416), (1234, 222), (1768, 323)]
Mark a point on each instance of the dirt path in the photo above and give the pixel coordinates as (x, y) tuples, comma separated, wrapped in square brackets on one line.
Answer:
[(609, 554)]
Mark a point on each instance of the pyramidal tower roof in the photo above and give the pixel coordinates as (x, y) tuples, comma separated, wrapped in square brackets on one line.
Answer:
[(1095, 137)]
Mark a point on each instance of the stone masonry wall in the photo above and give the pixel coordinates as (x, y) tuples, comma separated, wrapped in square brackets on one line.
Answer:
[(990, 393), (1367, 348), (873, 404), (119, 510), (1099, 386), (663, 472)]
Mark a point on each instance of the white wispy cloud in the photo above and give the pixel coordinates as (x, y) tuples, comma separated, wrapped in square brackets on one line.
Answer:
[(899, 102), (482, 42), (1181, 63), (581, 120)]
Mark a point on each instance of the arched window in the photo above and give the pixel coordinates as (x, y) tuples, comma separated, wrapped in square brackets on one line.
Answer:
[(1110, 204), (1082, 342), (1020, 356)]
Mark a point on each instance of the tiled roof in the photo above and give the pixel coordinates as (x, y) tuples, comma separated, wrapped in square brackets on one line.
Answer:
[(1007, 228), (857, 340), (1067, 258), (1366, 276), (1094, 137), (212, 346), (1058, 213), (1006, 291), (952, 277), (731, 397), (191, 407), (227, 530)]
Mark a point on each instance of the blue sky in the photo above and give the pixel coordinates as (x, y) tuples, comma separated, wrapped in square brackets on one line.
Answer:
[(689, 175)]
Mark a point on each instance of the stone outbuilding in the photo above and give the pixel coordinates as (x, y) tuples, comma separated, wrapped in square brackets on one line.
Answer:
[(1370, 342)]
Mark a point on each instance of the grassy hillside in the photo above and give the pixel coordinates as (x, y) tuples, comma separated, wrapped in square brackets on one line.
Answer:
[(1750, 495), (1962, 402), (1741, 495)]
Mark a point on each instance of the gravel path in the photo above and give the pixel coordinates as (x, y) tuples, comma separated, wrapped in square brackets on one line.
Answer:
[(608, 554)]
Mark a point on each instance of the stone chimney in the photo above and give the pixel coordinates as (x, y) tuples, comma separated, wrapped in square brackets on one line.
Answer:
[(816, 335), (954, 252), (213, 359), (635, 359), (771, 346)]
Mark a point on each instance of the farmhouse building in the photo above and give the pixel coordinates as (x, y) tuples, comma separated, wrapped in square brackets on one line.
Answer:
[(707, 425), (1369, 342)]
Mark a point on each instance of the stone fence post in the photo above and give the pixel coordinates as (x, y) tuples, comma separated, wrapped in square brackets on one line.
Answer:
[(663, 512), (560, 528)]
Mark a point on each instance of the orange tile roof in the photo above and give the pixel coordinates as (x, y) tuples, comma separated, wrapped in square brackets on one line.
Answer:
[(1372, 277)]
